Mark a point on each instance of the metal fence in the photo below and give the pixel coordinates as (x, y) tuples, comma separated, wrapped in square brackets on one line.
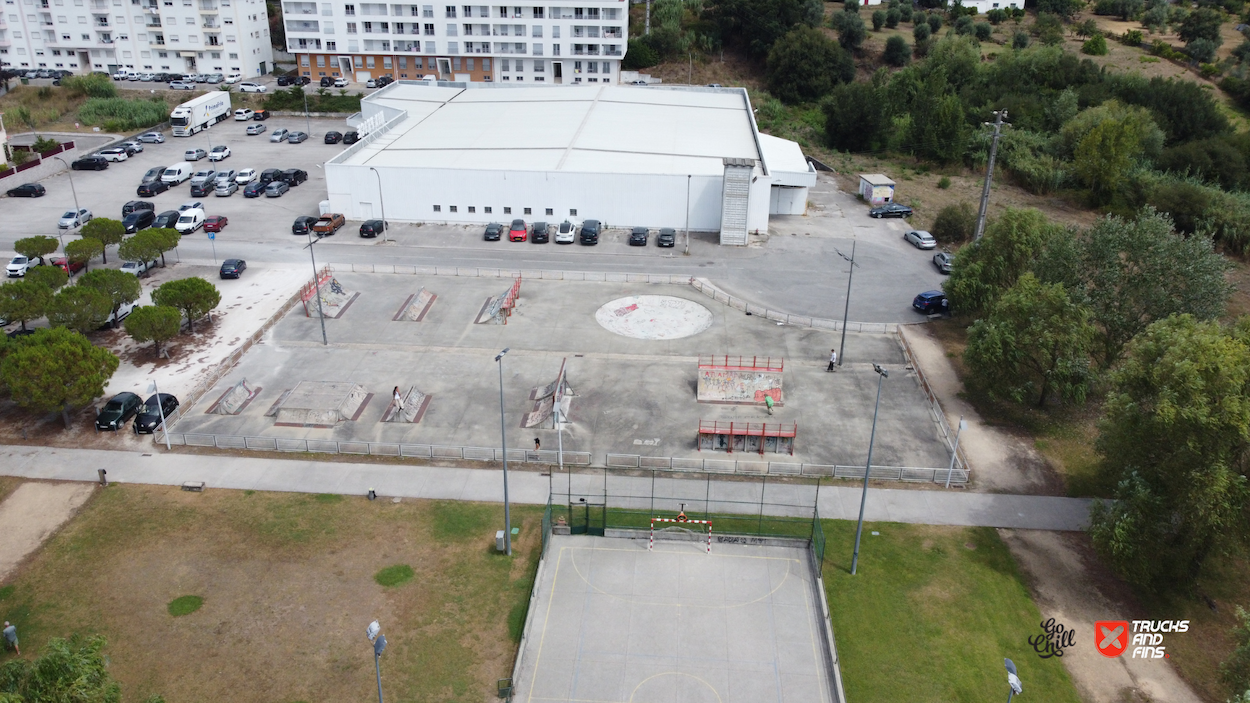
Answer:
[(529, 274), (935, 408), (761, 467), (707, 288)]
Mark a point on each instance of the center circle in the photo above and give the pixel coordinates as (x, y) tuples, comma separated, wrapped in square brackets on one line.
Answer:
[(654, 317)]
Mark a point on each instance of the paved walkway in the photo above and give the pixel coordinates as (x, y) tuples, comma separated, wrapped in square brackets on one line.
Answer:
[(954, 507)]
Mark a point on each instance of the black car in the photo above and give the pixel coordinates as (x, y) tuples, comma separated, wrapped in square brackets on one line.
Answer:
[(638, 236), (327, 82), (140, 219), (540, 234), (493, 232), (149, 417), (590, 232), (255, 189), (260, 115), (28, 190), (117, 411), (285, 80), (930, 302), (270, 175), (152, 188), (293, 176), (90, 163), (667, 237), (199, 190), (135, 206), (890, 209), (233, 268), (333, 137), (166, 219), (303, 224), (372, 228), (303, 80), (350, 137)]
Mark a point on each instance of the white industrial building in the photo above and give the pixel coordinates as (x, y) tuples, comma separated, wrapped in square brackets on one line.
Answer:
[(624, 155), (178, 36)]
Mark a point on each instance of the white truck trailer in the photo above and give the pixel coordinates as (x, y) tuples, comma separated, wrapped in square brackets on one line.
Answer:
[(199, 113)]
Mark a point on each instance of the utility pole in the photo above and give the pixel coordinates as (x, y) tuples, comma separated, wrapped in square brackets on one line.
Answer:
[(846, 310), (999, 115)]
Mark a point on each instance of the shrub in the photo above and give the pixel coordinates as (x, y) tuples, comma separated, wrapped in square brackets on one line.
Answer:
[(964, 26), (1202, 50), (1020, 40), (806, 65), (878, 20), (21, 156), (892, 17), (122, 114), (44, 144), (954, 223), (1132, 37), (920, 32), (897, 53), (996, 16), (905, 13), (92, 85), (639, 55), (935, 22), (1210, 70), (983, 31), (1095, 46), (944, 182)]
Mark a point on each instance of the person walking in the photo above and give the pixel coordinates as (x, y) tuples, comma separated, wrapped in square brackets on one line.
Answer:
[(833, 360), (768, 401), (399, 401), (10, 637), (537, 444)]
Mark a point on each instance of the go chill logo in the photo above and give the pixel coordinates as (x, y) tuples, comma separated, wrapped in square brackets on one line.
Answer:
[(1113, 637)]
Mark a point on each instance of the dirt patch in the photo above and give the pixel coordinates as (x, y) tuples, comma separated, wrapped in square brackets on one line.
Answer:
[(31, 514)]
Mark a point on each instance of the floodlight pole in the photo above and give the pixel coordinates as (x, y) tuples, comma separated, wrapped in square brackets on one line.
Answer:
[(317, 284), (69, 173), (307, 121), (882, 374), (381, 202), (161, 409), (688, 177), (1013, 679), (846, 310), (503, 438)]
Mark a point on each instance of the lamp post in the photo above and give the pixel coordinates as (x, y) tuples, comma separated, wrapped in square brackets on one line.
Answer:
[(373, 632), (307, 121), (1013, 679), (77, 211), (688, 177), (846, 311), (317, 284), (882, 374), (160, 408), (955, 452), (503, 439), (381, 201)]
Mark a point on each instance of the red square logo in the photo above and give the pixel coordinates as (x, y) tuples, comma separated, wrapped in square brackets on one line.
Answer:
[(1111, 637)]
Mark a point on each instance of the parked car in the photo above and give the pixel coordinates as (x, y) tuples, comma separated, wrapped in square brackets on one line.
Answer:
[(90, 163), (30, 190), (493, 231), (329, 223), (276, 189), (590, 232), (216, 223), (243, 114), (233, 268), (223, 176), (252, 88), (327, 82), (157, 406), (136, 206), (943, 261), (890, 209), (371, 83), (70, 267), (270, 175), (151, 188), (638, 236), (72, 219), (296, 137), (253, 130), (930, 302), (219, 153), (293, 176), (566, 233), (278, 135), (225, 189), (303, 224), (191, 205), (284, 81), (194, 154), (667, 237), (18, 266), (135, 221), (920, 239), (372, 228), (152, 174), (166, 220), (233, 78), (340, 82), (334, 137), (203, 189), (152, 138), (539, 234), (351, 137), (261, 114), (117, 411), (215, 78), (114, 154), (254, 190), (517, 232), (181, 85), (132, 148), (189, 221), (138, 268), (204, 175), (245, 176)]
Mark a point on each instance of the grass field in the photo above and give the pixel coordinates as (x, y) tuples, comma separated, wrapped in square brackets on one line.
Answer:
[(931, 615), (287, 583)]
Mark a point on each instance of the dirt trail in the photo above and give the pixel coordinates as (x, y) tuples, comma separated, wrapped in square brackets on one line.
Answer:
[(1068, 585), (31, 514)]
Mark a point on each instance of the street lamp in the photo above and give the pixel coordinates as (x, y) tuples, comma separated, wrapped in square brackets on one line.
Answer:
[(161, 409), (317, 284), (381, 201), (1012, 680), (846, 311), (69, 173), (882, 374), (503, 438), (373, 632), (688, 177), (307, 121)]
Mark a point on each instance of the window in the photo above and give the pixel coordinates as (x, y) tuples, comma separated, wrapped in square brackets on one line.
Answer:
[(438, 208), (321, 61), (427, 10), (468, 11), (540, 66), (451, 30), (349, 9), (573, 213), (538, 50), (368, 62), (468, 64), (303, 60), (351, 27), (449, 11), (507, 211), (455, 63), (403, 62), (485, 64), (520, 66), (537, 31), (486, 209), (527, 211), (416, 62), (505, 65), (550, 212), (607, 67), (359, 61), (538, 13), (428, 30), (555, 32), (431, 48)]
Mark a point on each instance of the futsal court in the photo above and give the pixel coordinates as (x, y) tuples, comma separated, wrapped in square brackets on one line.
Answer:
[(616, 623)]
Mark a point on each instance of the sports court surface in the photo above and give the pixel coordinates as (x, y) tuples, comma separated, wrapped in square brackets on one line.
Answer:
[(614, 623)]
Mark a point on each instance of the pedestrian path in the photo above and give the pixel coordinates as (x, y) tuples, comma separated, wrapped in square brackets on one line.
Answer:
[(837, 501)]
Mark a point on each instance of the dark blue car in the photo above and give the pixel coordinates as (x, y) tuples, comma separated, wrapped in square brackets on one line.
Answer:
[(930, 302)]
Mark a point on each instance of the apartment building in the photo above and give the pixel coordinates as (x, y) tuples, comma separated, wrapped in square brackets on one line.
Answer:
[(188, 36), (546, 43)]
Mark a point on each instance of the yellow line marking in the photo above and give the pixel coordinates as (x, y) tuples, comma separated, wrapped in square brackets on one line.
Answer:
[(542, 640), (813, 611), (674, 673)]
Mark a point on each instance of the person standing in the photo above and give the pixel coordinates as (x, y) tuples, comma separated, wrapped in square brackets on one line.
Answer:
[(833, 359), (768, 401), (10, 637), (399, 401)]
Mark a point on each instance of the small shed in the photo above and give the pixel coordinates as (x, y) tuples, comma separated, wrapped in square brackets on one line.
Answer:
[(876, 188)]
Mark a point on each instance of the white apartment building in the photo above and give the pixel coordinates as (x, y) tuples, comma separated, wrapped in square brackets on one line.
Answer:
[(178, 36), (542, 42)]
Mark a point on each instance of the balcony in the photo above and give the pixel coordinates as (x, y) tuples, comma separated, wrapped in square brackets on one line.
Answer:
[(301, 26), (299, 8), (157, 40), (208, 5), (611, 51)]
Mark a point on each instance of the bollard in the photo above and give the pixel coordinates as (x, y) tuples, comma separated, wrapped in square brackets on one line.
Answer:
[(104, 480)]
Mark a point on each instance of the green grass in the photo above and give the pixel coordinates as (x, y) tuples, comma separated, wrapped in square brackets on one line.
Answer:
[(394, 575), (928, 619), (184, 605), (328, 498)]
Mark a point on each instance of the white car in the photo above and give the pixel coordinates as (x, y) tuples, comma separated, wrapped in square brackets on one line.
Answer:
[(219, 152), (119, 76), (17, 266), (189, 221), (115, 154), (73, 219), (138, 268), (246, 176), (152, 138), (252, 88), (243, 114), (234, 78), (920, 239), (340, 82), (567, 233)]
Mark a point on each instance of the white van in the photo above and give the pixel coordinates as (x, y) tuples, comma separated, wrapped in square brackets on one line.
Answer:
[(178, 173), (189, 221)]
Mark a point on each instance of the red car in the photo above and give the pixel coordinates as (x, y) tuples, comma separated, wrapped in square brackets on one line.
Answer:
[(517, 232), (67, 266), (215, 223)]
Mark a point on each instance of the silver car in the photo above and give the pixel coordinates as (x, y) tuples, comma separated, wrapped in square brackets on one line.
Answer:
[(225, 189), (278, 135), (223, 176), (920, 239), (203, 176), (72, 219)]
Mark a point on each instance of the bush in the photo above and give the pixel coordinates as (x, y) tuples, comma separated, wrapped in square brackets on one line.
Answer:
[(964, 26), (920, 32), (905, 13), (892, 17), (954, 223), (806, 65), (122, 114), (935, 22), (639, 55), (1095, 46), (1132, 37), (850, 28), (996, 16), (44, 145), (983, 31), (944, 182), (92, 85), (878, 20), (1202, 50), (1020, 40), (897, 53)]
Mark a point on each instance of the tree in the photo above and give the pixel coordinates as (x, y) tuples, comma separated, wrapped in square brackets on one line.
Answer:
[(892, 17), (143, 246), (983, 31), (955, 223), (1095, 46), (35, 247), (805, 65), (1201, 50), (850, 28), (1235, 670), (1020, 40), (986, 269), (897, 53), (1202, 23), (1034, 342), (760, 23), (1173, 439), (942, 134), (22, 301), (920, 32), (878, 20), (56, 369), (84, 250), (639, 55), (855, 117), (80, 308), (51, 276), (67, 670), (154, 323), (193, 296), (1062, 8), (121, 288), (107, 232), (1104, 156)]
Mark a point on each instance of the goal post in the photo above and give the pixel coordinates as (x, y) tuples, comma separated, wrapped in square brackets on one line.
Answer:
[(681, 519)]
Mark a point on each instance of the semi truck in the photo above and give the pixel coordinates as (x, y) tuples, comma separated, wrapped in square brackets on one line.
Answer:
[(199, 113)]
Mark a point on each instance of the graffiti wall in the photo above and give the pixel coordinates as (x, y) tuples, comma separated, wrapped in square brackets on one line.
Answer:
[(719, 385)]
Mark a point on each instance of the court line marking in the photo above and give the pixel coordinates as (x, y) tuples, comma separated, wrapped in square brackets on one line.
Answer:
[(674, 673), (543, 640)]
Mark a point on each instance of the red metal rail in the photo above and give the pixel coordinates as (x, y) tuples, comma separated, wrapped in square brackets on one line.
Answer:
[(742, 363), (754, 429)]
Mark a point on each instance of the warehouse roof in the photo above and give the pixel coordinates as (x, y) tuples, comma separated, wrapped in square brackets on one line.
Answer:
[(572, 128)]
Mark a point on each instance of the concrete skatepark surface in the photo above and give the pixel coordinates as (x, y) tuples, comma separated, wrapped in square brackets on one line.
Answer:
[(634, 396), (615, 622)]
